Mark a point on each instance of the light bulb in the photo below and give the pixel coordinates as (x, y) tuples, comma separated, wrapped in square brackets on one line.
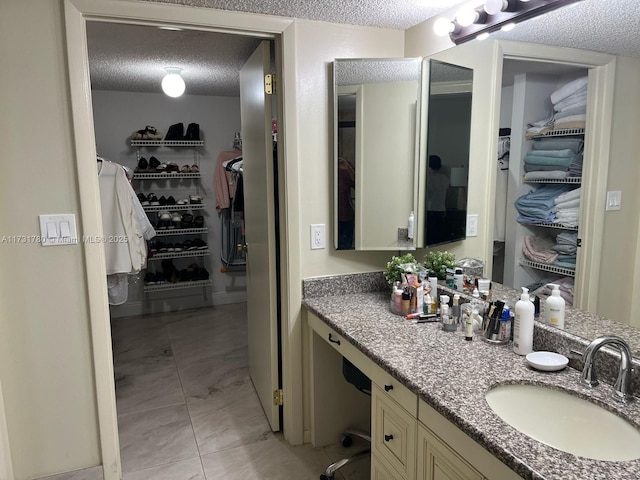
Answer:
[(508, 27), (483, 36), (443, 26), (495, 6), (173, 84), (466, 16)]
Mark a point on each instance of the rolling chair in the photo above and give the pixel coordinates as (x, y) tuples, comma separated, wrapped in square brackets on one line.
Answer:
[(359, 380)]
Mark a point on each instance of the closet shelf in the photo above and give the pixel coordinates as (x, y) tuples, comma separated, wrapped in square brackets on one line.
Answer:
[(183, 254), (167, 143), (164, 176), (189, 206), (571, 180), (177, 286), (180, 231), (560, 133), (549, 225), (568, 272)]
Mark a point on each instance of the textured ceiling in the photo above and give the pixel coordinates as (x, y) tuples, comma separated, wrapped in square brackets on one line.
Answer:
[(132, 58)]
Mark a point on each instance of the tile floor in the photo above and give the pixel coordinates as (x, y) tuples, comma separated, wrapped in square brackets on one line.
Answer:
[(187, 409)]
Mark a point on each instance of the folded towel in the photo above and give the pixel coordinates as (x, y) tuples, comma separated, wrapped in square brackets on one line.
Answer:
[(564, 153), (532, 167), (577, 110), (567, 238), (569, 126), (538, 249), (575, 203), (546, 160), (546, 175), (570, 119), (569, 195), (570, 102), (569, 89), (559, 143), (565, 248)]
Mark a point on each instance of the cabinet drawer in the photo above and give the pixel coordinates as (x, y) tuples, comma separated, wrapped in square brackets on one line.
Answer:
[(381, 471), (401, 394), (393, 436)]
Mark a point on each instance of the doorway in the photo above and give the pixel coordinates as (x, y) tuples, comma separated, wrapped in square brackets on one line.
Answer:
[(85, 147)]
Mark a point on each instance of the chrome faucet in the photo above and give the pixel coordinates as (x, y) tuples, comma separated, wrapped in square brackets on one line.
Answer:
[(622, 387)]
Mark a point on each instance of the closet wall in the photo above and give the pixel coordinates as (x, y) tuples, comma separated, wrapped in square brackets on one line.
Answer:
[(116, 116)]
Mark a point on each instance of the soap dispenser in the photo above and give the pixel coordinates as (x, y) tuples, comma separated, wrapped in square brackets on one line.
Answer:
[(554, 307), (523, 324)]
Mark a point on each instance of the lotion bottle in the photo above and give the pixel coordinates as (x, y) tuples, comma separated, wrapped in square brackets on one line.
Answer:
[(554, 308), (523, 324), (410, 225)]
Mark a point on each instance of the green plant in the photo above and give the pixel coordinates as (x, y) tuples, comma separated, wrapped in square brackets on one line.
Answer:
[(438, 262), (397, 266)]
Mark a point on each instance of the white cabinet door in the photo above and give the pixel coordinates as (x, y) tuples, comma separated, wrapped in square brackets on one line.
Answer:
[(437, 461)]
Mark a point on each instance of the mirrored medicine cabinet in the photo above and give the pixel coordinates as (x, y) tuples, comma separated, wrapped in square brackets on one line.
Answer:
[(390, 116)]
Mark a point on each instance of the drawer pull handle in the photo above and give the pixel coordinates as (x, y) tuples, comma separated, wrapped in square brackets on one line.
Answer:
[(388, 387), (388, 438), (331, 339)]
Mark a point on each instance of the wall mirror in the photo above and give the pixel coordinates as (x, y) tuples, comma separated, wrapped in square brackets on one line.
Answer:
[(445, 164), (376, 121)]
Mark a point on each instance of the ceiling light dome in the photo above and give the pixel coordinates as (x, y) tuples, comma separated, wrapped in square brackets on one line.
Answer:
[(173, 84)]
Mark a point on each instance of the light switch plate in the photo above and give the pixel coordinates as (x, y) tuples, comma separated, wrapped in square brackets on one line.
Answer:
[(472, 225), (614, 200), (58, 229)]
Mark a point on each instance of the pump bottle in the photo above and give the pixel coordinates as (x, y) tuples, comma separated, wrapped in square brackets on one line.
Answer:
[(523, 324), (554, 307), (410, 226)]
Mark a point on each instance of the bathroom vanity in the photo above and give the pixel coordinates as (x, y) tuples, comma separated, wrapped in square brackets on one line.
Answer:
[(428, 415)]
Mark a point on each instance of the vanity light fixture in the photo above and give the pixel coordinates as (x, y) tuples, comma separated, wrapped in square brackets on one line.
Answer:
[(173, 83), (492, 15)]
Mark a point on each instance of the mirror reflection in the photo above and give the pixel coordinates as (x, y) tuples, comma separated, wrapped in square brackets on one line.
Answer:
[(447, 155), (376, 112)]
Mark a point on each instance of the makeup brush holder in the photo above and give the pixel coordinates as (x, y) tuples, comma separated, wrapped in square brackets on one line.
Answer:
[(497, 332)]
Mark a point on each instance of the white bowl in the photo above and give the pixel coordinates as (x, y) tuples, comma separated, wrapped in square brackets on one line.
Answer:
[(547, 361)]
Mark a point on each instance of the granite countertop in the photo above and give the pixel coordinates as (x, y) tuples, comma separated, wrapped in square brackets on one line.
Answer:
[(452, 376)]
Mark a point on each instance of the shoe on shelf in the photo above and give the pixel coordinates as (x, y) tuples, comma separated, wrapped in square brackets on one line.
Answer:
[(184, 201), (195, 199), (162, 200), (173, 167), (187, 220), (150, 278), (175, 132), (185, 169), (199, 244), (176, 220), (178, 247), (194, 169), (143, 199), (153, 200), (203, 274), (142, 165), (153, 163), (198, 222), (193, 132), (171, 200)]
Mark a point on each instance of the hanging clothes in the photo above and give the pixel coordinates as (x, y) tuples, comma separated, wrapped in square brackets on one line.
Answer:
[(125, 228), (223, 181)]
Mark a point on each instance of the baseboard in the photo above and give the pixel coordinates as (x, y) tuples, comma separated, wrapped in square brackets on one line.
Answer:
[(93, 473), (161, 303)]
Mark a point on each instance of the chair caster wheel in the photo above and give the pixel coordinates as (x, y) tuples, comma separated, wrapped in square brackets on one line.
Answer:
[(324, 477), (346, 440)]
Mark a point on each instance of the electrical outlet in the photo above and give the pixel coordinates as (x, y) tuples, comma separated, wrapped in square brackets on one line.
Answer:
[(318, 238), (472, 225)]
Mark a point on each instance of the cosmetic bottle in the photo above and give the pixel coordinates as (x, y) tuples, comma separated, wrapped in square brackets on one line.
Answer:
[(523, 324), (406, 299), (419, 297), (468, 325), (410, 225), (426, 308), (554, 308), (458, 280), (433, 281)]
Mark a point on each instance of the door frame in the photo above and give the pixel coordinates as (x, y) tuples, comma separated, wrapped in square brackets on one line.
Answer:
[(77, 13)]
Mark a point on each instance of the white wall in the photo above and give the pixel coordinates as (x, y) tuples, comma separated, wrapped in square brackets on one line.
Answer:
[(46, 365), (116, 116)]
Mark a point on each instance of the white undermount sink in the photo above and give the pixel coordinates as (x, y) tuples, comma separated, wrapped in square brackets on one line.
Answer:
[(565, 421)]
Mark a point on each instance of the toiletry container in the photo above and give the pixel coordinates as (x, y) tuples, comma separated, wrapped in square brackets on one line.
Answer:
[(433, 281), (410, 225), (554, 308), (523, 324), (427, 304), (458, 280)]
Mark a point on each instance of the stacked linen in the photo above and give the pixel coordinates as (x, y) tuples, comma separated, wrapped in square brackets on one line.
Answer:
[(569, 109), (539, 205), (567, 207), (554, 158), (570, 104), (539, 249)]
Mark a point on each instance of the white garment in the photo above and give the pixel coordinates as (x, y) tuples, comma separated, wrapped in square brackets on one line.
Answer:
[(124, 245), (118, 288), (148, 232)]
